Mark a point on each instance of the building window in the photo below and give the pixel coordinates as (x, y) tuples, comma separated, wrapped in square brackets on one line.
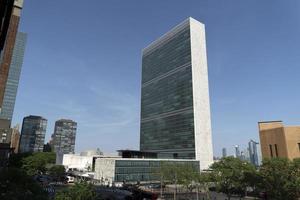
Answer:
[(299, 146), (276, 150), (271, 152)]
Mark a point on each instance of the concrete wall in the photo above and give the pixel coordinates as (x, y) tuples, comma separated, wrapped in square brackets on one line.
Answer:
[(77, 161), (201, 104), (105, 169), (292, 137)]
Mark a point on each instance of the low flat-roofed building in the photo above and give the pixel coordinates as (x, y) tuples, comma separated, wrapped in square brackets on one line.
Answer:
[(81, 163), (84, 161), (134, 169), (278, 140)]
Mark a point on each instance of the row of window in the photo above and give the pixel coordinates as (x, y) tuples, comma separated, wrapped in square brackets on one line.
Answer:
[(274, 150), (271, 150), (166, 57)]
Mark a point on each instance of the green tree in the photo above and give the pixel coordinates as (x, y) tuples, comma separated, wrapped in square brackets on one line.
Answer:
[(186, 176), (57, 172), (203, 181), (280, 178), (17, 185), (80, 191), (15, 160), (295, 173), (230, 176), (37, 162), (169, 173)]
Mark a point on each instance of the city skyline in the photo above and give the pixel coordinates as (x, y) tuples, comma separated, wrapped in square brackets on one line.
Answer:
[(108, 107)]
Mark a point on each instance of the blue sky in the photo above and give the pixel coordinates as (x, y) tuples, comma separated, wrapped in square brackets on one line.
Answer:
[(83, 62)]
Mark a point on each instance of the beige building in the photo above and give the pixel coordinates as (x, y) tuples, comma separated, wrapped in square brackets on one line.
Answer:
[(277, 140), (15, 138)]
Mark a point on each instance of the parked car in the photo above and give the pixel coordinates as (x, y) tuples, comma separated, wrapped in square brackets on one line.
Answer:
[(155, 186)]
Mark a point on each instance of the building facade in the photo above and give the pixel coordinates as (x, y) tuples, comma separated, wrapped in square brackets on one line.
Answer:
[(63, 139), (8, 39), (5, 131), (85, 161), (6, 7), (33, 134), (13, 77), (175, 107), (277, 140), (135, 169), (15, 138)]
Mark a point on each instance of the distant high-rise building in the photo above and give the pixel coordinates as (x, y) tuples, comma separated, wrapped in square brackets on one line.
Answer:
[(15, 138), (63, 139), (9, 29), (277, 140), (13, 77), (224, 152), (175, 107), (242, 155), (253, 154), (247, 154), (33, 134), (5, 131), (237, 152)]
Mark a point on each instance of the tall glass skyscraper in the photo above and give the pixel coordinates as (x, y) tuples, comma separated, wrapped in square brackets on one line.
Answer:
[(253, 153), (10, 14), (33, 134), (63, 139), (175, 107), (13, 77)]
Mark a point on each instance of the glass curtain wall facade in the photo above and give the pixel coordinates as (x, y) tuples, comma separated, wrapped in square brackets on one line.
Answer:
[(175, 114), (13, 77), (64, 136), (8, 38), (133, 170), (33, 134), (145, 170), (167, 101)]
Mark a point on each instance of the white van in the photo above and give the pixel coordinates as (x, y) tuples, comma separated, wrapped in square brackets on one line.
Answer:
[(70, 179)]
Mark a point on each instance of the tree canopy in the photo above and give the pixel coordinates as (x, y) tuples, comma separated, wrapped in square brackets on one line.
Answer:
[(17, 185), (80, 191), (231, 176), (280, 178), (37, 162), (56, 171)]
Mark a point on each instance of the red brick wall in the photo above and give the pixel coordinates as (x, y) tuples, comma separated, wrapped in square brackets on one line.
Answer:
[(7, 54)]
